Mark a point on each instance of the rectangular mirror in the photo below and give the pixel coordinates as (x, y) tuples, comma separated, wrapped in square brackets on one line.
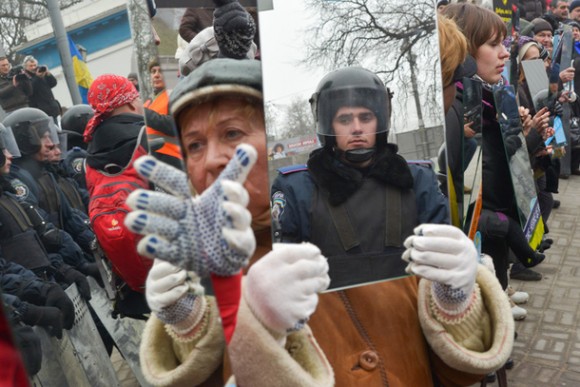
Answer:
[(307, 40), (519, 162)]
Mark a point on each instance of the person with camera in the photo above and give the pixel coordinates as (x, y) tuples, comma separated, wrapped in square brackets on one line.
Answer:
[(42, 83), (15, 86)]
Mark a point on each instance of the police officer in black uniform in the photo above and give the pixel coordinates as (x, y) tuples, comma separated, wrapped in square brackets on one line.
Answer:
[(36, 135)]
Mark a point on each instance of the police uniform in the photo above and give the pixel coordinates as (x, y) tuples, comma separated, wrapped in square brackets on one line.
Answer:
[(371, 223)]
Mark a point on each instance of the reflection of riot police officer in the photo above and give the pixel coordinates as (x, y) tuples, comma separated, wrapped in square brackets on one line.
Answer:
[(354, 170)]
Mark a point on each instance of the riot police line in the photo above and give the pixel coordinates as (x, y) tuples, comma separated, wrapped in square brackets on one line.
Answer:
[(60, 295)]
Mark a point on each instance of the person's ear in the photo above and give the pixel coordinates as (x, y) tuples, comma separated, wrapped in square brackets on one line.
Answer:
[(133, 104)]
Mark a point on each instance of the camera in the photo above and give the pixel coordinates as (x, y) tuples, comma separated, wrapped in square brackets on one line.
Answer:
[(16, 70), (42, 69)]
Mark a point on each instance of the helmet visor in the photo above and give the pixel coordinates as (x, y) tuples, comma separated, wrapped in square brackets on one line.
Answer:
[(8, 142), (41, 127), (348, 111), (62, 141)]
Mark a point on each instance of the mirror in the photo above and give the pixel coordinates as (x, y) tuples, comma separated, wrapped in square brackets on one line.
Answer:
[(307, 40), (472, 160), (519, 162), (186, 40)]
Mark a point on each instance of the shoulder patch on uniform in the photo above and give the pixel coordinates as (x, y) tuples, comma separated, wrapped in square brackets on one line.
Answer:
[(21, 189), (77, 164), (423, 163), (292, 168), (278, 204)]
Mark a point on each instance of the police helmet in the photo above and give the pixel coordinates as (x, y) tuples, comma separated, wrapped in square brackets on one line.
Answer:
[(73, 123), (354, 87), (76, 117), (29, 125), (214, 78), (7, 141)]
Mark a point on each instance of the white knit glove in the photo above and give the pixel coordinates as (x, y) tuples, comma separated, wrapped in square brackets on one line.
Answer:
[(446, 256), (282, 287), (210, 233), (175, 296)]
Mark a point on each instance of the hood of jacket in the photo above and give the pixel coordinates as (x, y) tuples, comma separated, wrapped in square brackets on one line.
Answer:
[(115, 141)]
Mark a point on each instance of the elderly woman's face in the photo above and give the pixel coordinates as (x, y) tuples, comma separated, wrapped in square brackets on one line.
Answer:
[(210, 133)]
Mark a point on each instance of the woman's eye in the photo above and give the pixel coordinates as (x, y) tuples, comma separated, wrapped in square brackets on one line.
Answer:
[(193, 147), (234, 134)]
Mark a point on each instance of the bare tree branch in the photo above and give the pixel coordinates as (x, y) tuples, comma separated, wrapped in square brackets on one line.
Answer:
[(381, 36), (16, 15)]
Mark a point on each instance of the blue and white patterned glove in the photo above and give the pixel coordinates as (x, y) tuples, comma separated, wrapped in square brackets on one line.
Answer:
[(175, 296), (210, 233), (446, 256)]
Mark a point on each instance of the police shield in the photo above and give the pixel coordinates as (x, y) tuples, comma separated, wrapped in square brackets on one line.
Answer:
[(80, 357), (126, 332)]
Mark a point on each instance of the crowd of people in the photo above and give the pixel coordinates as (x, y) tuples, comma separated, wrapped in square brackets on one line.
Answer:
[(118, 174), (27, 85), (540, 113)]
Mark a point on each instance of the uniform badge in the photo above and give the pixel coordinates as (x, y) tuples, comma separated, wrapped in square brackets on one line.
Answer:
[(21, 189), (77, 164), (278, 204)]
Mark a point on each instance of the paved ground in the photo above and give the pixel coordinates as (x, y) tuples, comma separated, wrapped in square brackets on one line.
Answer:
[(124, 373), (547, 351)]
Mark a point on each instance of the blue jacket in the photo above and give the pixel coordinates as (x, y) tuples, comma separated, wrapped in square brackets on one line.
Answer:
[(293, 191)]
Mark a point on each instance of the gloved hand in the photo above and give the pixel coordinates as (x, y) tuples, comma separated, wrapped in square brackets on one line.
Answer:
[(57, 297), (282, 287), (92, 269), (234, 29), (44, 316), (209, 233), (175, 297), (445, 255), (71, 275)]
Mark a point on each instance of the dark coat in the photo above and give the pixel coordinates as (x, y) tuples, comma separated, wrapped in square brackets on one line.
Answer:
[(531, 9), (114, 141), (42, 97), (14, 97)]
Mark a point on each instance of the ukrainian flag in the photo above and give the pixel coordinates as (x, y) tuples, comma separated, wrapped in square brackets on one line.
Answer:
[(82, 75)]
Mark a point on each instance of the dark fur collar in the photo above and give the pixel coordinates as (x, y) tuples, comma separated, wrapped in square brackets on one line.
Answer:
[(342, 180)]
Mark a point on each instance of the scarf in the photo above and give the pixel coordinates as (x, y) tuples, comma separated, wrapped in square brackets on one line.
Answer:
[(343, 180), (107, 93)]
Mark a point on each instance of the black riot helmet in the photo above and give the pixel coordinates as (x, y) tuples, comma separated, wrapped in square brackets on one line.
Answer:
[(73, 123), (29, 125), (352, 87)]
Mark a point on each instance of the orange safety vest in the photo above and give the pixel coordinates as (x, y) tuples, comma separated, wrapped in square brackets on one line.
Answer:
[(160, 104)]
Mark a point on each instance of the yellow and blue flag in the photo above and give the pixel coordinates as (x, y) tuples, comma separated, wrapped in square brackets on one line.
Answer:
[(82, 74)]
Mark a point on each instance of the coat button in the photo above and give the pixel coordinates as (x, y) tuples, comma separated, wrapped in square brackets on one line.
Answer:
[(368, 360)]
